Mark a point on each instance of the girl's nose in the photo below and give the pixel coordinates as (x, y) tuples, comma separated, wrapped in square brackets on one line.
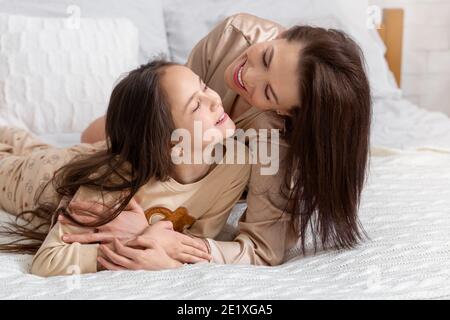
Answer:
[(214, 100), (215, 104)]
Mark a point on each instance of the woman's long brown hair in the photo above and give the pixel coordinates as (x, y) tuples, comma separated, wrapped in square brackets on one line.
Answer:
[(138, 130), (329, 135)]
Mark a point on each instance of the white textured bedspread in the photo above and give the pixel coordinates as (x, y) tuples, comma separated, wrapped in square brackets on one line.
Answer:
[(405, 210)]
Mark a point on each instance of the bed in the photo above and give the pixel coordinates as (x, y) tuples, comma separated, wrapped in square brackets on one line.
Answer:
[(405, 210)]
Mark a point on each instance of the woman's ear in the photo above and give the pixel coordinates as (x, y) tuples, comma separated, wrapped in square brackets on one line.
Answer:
[(285, 113)]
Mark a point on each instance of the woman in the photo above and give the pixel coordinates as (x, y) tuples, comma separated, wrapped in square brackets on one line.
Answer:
[(134, 170), (311, 84)]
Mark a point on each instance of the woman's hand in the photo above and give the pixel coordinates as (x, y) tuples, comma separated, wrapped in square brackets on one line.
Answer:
[(151, 257), (130, 223), (177, 245)]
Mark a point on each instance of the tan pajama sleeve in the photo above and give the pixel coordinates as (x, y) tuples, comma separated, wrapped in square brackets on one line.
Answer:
[(264, 230), (55, 257), (216, 216)]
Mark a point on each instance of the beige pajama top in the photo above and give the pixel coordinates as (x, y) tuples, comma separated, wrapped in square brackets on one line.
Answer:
[(26, 163)]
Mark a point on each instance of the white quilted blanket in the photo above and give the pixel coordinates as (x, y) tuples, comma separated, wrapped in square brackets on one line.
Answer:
[(405, 210)]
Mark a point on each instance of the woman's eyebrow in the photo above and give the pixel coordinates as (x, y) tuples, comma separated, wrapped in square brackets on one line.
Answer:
[(270, 87), (193, 95), (271, 55)]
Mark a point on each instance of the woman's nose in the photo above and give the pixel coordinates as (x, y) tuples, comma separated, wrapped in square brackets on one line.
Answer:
[(252, 77)]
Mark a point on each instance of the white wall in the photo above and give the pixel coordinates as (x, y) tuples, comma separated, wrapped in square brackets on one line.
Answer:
[(426, 53)]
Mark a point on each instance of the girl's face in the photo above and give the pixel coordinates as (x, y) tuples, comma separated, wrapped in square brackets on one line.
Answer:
[(192, 103), (265, 75)]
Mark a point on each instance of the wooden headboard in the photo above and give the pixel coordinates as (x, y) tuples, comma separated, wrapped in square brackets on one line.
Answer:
[(391, 32)]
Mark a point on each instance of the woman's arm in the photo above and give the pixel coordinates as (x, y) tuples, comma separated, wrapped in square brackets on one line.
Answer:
[(152, 250), (58, 256), (265, 232), (130, 224), (95, 131)]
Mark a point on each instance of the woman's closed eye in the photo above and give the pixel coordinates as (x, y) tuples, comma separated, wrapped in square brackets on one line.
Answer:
[(266, 65), (264, 59), (266, 90)]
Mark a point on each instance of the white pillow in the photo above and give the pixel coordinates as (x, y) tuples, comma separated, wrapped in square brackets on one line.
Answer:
[(147, 15), (188, 21), (58, 77)]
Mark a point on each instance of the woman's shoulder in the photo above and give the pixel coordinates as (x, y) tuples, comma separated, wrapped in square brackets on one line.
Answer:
[(240, 19), (254, 28)]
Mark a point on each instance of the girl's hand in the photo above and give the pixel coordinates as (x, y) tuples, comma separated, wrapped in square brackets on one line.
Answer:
[(130, 223), (152, 257), (177, 245)]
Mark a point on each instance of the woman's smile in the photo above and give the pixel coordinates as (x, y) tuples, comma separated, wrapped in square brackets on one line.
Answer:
[(237, 76)]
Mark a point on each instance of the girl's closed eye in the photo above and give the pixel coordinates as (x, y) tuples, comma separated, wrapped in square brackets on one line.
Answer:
[(205, 87), (197, 107)]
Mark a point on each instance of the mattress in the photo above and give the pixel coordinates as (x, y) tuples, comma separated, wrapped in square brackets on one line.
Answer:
[(405, 211)]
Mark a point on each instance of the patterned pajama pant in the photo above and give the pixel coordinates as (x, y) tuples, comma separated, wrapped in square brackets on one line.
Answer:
[(26, 165)]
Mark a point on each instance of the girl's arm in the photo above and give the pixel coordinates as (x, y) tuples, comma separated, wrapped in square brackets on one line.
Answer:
[(55, 257)]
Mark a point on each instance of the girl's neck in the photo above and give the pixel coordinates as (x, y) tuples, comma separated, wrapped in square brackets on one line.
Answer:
[(240, 107), (190, 173)]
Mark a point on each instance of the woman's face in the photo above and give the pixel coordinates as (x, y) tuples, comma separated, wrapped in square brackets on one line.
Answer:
[(265, 75), (192, 102)]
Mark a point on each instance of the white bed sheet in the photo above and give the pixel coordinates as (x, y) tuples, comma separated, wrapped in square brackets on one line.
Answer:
[(405, 210)]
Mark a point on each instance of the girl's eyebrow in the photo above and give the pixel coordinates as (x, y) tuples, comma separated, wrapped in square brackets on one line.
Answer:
[(193, 95)]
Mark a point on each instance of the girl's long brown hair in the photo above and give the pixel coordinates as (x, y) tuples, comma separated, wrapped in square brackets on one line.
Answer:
[(329, 135), (138, 130)]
